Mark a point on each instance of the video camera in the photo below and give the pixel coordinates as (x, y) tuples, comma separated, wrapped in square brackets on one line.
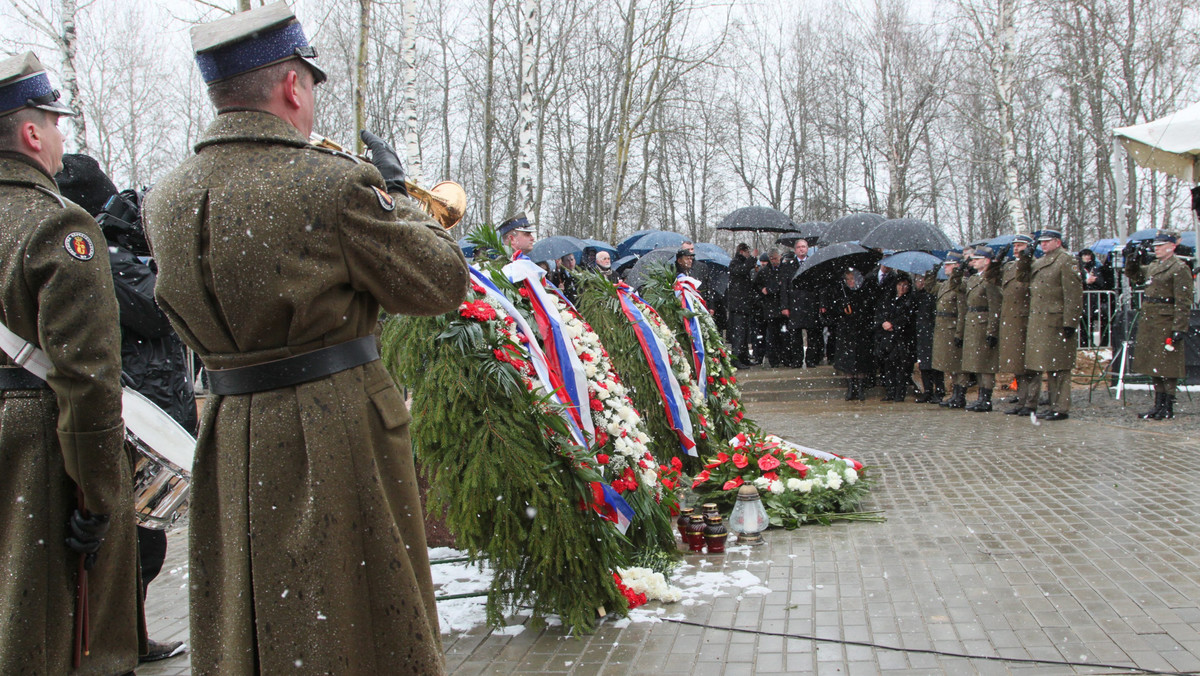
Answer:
[(121, 221), (1142, 251)]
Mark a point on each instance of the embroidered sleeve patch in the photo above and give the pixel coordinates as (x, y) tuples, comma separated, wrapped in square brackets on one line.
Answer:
[(79, 246), (385, 200)]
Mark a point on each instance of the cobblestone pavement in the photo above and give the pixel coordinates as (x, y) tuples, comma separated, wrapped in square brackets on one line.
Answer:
[(1075, 541)]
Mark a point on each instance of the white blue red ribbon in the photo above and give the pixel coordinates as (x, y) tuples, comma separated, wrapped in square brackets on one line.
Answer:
[(609, 504), (559, 351), (541, 365), (659, 361), (689, 297)]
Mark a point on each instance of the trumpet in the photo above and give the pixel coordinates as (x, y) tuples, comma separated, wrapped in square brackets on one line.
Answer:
[(445, 202)]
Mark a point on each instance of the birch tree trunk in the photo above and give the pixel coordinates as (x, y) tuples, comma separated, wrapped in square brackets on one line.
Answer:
[(489, 119), (243, 5), (67, 42), (360, 72), (408, 55), (526, 137), (1002, 76)]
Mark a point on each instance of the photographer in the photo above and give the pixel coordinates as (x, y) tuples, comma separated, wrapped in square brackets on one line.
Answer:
[(1163, 324)]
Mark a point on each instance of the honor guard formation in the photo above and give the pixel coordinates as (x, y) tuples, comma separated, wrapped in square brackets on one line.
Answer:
[(271, 258)]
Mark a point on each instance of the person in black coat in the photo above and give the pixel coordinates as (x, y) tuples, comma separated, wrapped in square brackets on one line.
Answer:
[(895, 339), (152, 356), (1096, 277), (801, 306), (851, 304), (933, 382), (738, 300), (770, 281)]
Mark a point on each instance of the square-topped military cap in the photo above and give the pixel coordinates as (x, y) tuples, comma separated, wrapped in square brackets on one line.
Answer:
[(247, 41), (24, 84), (518, 223)]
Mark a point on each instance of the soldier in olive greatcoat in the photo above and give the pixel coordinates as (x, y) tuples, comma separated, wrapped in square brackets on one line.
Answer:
[(307, 547), (1163, 324), (1055, 304), (947, 348), (980, 328), (65, 485), (1014, 322)]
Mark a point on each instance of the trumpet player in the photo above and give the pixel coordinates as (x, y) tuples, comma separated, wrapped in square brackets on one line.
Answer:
[(307, 545)]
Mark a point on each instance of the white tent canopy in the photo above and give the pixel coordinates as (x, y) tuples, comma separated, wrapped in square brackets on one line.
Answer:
[(1169, 144)]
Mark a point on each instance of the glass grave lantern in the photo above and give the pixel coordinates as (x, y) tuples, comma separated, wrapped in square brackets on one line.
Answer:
[(749, 519)]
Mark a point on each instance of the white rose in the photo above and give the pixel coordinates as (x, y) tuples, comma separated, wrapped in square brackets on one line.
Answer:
[(776, 487), (602, 393), (833, 482), (794, 484), (851, 475), (806, 486)]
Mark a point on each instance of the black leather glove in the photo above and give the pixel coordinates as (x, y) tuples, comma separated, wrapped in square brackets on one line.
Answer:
[(87, 534), (992, 342), (958, 342), (385, 159), (1068, 332), (1178, 337)]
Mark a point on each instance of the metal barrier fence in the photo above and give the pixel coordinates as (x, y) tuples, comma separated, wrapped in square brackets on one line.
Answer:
[(1099, 310)]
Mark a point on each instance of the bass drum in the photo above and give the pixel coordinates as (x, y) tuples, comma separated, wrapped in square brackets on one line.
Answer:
[(162, 452)]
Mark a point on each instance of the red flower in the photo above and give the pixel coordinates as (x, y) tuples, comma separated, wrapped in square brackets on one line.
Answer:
[(770, 476), (700, 478), (477, 310), (601, 439), (597, 405), (768, 463), (669, 484), (733, 379), (676, 465), (524, 292), (477, 288), (687, 393), (799, 467), (740, 460), (722, 458), (602, 458), (724, 381), (732, 484), (710, 380), (585, 356)]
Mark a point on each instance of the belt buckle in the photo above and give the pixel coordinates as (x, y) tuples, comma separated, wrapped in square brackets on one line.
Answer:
[(24, 354)]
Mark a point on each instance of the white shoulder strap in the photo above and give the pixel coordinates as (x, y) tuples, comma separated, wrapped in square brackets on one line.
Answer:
[(24, 353)]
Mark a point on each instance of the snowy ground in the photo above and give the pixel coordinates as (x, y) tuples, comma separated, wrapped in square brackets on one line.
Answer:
[(699, 579)]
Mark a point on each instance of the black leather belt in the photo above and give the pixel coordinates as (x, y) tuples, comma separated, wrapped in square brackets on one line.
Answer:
[(17, 378), (978, 308), (289, 371), (1158, 299), (945, 314)]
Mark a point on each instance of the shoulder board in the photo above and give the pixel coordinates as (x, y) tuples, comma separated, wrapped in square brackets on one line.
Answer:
[(62, 201), (337, 153)]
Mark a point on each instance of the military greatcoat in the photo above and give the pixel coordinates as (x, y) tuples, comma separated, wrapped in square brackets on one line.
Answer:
[(1166, 304), (307, 544), (52, 440), (1055, 303), (982, 319), (947, 357), (1014, 314)]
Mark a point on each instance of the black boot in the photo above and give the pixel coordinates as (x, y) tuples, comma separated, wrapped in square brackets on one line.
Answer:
[(1168, 408), (860, 389), (926, 392), (849, 389), (984, 403), (1152, 414), (958, 399)]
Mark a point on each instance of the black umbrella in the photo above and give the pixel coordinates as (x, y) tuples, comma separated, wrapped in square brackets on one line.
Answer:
[(554, 248), (810, 230), (851, 228), (907, 234), (758, 219), (829, 262)]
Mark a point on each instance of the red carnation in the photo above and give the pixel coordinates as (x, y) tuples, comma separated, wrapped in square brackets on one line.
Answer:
[(740, 460), (585, 356), (597, 405), (601, 439), (602, 458), (732, 484), (676, 465)]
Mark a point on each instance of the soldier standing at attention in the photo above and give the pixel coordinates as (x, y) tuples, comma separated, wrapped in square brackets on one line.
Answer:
[(1055, 302), (1163, 324), (980, 329), (62, 442), (307, 544), (947, 348), (1014, 322)]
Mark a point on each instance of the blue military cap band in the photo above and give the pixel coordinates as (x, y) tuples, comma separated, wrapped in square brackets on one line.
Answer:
[(1044, 235), (24, 84), (262, 49), (1165, 237), (519, 223), (983, 252), (1026, 239)]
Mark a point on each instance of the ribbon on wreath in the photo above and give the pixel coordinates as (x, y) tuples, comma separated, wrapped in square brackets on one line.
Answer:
[(686, 290), (549, 381), (659, 362), (822, 455), (560, 354), (609, 504)]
